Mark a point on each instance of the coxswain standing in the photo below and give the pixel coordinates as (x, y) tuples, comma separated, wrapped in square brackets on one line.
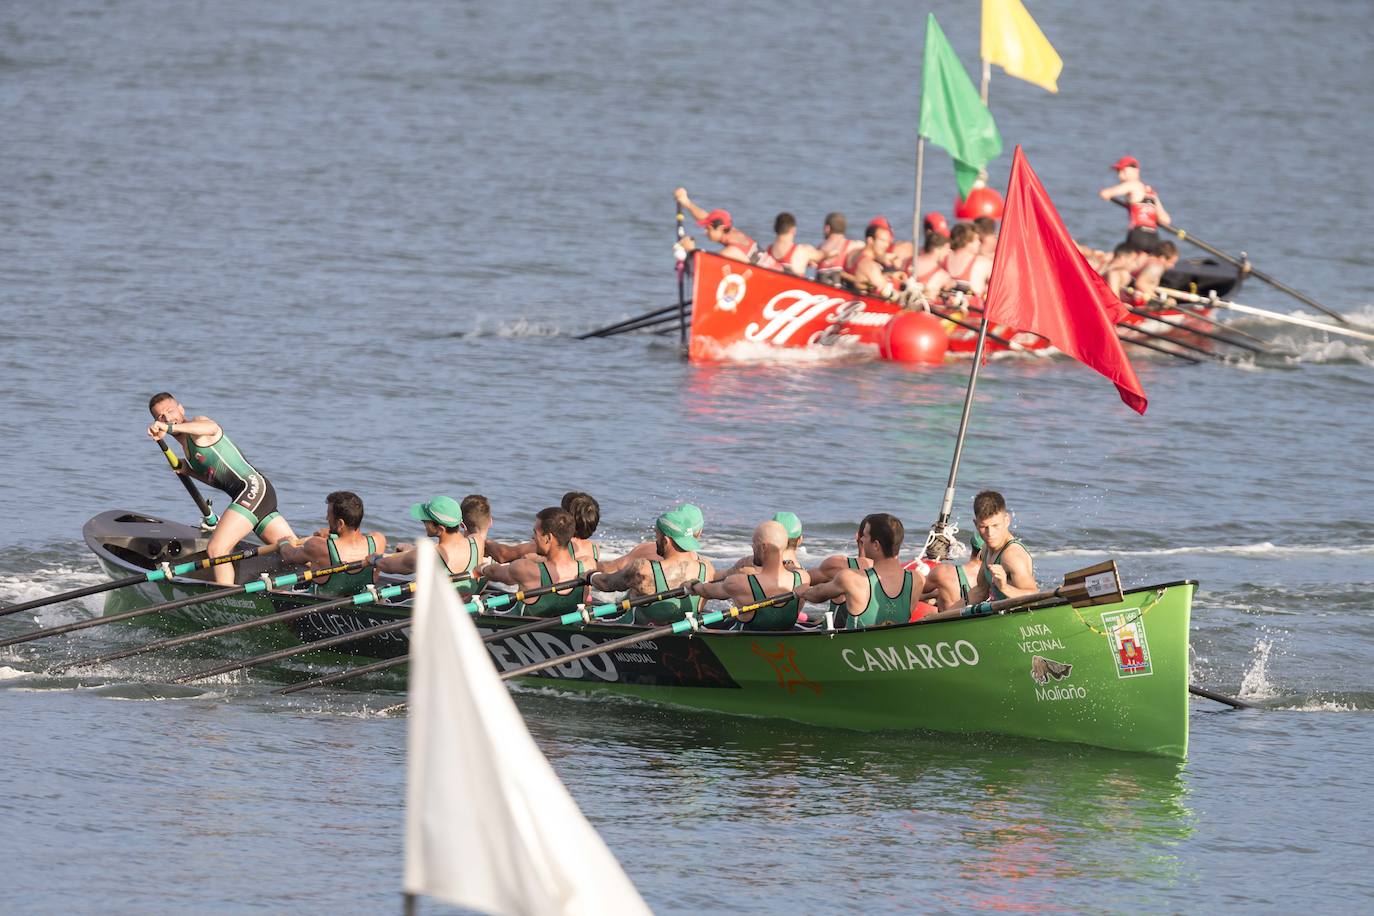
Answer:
[(720, 228), (885, 592), (214, 460), (340, 541), (1147, 214), (770, 577), (552, 563)]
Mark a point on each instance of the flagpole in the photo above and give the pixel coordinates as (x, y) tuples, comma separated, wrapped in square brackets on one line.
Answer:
[(987, 78), (916, 234), (941, 537)]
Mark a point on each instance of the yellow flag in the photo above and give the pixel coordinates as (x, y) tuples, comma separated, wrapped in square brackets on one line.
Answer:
[(1013, 41)]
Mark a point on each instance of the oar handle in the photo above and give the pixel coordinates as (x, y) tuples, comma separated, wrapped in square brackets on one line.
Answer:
[(207, 514)]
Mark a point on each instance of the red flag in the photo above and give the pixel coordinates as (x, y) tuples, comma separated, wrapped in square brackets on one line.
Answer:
[(1041, 282)]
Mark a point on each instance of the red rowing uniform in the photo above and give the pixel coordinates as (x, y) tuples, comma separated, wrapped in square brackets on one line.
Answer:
[(1145, 213), (771, 258), (966, 274)]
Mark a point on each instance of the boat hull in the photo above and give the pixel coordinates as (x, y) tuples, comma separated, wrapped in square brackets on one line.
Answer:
[(1113, 676)]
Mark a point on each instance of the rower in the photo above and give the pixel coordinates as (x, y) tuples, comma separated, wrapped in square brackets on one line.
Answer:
[(1147, 214), (834, 249), (340, 541), (720, 228), (950, 582), (1006, 570), (864, 267), (459, 550), (214, 460), (586, 513), (964, 262), (676, 562), (986, 227), (883, 594), (784, 253), (927, 269), (554, 562), (792, 527), (1122, 269), (649, 550), (1148, 278), (771, 577), (897, 251)]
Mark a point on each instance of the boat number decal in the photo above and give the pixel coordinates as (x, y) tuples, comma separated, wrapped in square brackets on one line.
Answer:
[(730, 292), (903, 658), (1126, 636), (784, 665)]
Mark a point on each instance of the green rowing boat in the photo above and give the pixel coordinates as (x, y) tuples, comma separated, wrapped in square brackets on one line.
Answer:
[(1113, 676)]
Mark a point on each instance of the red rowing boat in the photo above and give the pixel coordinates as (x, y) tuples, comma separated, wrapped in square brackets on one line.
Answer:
[(743, 313)]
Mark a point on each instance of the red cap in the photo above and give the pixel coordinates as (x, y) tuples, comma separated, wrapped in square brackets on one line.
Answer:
[(717, 216), (881, 222), (1126, 162), (935, 221)]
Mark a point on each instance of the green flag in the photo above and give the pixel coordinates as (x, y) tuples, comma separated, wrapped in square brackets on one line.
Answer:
[(952, 114)]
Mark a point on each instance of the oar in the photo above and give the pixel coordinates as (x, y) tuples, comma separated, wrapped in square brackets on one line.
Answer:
[(1156, 347), (161, 574), (673, 319), (231, 627), (1165, 338), (248, 588), (611, 329), (686, 624), (1244, 264), (380, 629), (1199, 315), (207, 515), (1153, 316), (1300, 320), (585, 614), (1220, 697)]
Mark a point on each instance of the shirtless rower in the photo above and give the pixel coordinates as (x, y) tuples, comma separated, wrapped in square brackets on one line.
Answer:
[(885, 593), (460, 550), (1148, 278), (553, 562), (720, 228), (792, 527), (864, 267), (341, 541), (770, 577), (834, 249), (964, 263), (1125, 264), (214, 460), (785, 253), (586, 513), (676, 561), (1005, 569), (1147, 214)]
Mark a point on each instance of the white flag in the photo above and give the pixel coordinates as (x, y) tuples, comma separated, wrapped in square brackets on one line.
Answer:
[(488, 823)]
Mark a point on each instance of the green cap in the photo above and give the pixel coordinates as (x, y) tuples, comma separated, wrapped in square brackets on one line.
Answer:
[(676, 525), (696, 521), (790, 523), (441, 510), (978, 542)]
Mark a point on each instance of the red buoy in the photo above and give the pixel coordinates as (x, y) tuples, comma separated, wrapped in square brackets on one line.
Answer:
[(914, 337), (980, 202)]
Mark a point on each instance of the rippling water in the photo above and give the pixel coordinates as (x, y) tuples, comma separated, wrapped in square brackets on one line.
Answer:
[(361, 235)]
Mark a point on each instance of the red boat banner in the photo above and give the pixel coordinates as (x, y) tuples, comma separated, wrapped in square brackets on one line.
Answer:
[(745, 312)]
